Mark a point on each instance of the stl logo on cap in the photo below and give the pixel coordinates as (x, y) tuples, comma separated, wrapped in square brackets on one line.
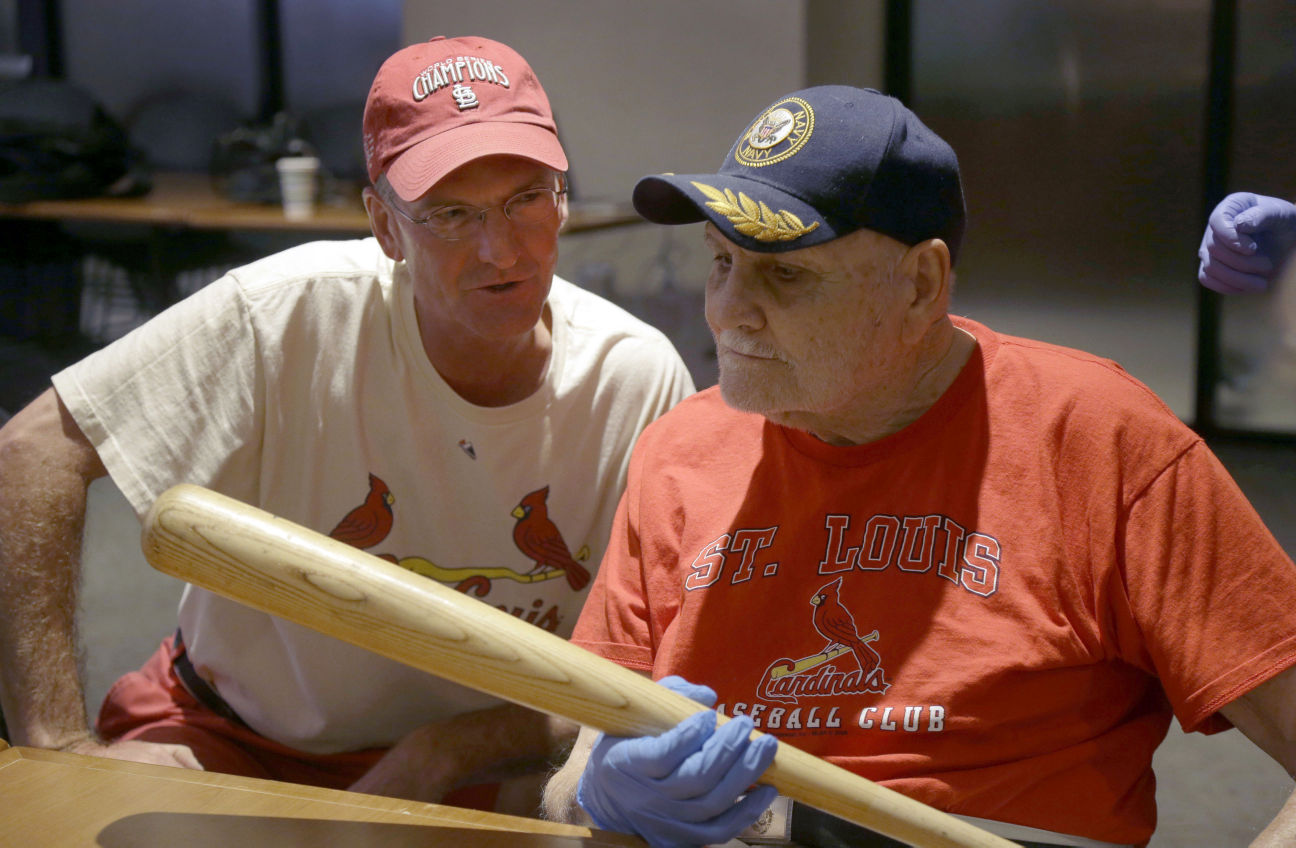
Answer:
[(779, 133), (465, 97)]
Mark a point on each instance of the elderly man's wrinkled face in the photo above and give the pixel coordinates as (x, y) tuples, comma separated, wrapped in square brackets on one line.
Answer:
[(808, 335)]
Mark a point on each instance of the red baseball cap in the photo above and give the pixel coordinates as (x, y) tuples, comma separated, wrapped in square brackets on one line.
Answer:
[(441, 104)]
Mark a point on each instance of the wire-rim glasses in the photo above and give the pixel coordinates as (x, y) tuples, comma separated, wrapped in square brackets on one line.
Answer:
[(460, 221)]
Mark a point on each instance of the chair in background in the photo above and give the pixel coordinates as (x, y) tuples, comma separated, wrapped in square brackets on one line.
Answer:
[(130, 272), (177, 130)]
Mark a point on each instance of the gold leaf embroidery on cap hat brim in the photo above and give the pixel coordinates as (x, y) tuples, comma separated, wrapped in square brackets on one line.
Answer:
[(754, 219)]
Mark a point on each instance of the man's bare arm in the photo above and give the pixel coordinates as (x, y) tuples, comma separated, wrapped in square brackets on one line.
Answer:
[(559, 801), (486, 746), (46, 467), (1267, 715)]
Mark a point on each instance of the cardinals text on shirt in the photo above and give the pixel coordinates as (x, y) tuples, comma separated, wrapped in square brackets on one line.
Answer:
[(917, 544)]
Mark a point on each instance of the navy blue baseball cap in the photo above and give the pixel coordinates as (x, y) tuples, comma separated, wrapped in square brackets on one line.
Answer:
[(817, 165)]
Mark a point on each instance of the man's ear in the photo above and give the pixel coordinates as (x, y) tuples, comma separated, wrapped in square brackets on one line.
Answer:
[(927, 265), (382, 221)]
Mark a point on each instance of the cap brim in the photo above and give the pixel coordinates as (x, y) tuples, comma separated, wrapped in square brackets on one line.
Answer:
[(748, 212), (425, 164)]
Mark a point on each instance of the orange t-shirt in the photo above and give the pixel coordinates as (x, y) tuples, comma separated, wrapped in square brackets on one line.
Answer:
[(994, 611)]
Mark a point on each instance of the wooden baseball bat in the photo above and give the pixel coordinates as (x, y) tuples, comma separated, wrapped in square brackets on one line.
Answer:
[(282, 568)]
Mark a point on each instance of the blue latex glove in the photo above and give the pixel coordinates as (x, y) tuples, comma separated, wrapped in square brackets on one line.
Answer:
[(682, 787), (1247, 239)]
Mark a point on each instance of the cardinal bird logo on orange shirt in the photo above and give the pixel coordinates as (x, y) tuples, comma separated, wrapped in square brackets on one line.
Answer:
[(816, 676), (538, 538), (369, 523), (836, 624)]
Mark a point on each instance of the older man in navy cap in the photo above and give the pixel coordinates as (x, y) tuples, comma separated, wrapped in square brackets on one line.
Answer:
[(981, 570)]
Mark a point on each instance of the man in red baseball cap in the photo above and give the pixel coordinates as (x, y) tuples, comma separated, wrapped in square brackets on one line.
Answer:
[(434, 395), (439, 105)]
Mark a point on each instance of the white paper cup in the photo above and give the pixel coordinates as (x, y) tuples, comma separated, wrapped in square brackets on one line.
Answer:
[(298, 184)]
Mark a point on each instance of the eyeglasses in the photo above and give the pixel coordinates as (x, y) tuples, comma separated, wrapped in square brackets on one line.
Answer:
[(526, 208)]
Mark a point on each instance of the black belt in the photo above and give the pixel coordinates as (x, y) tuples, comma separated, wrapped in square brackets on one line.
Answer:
[(199, 688), (813, 828)]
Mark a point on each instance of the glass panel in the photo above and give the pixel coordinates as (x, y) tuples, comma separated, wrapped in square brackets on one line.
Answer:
[(1078, 128), (331, 51), (1258, 336), (129, 51)]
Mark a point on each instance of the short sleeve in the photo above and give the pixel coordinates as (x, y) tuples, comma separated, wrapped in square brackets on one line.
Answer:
[(1211, 591), (614, 622), (176, 400)]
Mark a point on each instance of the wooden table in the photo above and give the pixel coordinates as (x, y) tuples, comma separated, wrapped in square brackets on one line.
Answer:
[(189, 201), (67, 801)]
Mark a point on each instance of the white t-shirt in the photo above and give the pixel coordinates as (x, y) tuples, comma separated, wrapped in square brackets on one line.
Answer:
[(299, 384)]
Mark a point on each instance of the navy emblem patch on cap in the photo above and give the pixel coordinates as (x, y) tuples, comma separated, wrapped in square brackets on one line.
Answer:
[(780, 132)]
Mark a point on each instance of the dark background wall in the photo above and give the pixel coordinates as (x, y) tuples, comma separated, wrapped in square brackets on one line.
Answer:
[(1080, 125)]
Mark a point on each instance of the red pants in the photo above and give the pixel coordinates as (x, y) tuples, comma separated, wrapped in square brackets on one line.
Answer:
[(152, 705)]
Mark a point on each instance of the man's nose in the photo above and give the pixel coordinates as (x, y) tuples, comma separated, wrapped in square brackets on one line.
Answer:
[(497, 239), (730, 304)]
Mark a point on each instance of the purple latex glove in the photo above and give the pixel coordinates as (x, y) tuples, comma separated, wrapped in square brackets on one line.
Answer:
[(1247, 240), (682, 787)]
